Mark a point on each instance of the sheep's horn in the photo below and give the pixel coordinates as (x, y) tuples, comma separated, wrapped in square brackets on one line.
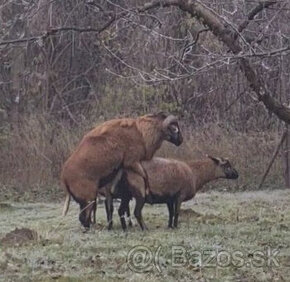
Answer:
[(170, 119)]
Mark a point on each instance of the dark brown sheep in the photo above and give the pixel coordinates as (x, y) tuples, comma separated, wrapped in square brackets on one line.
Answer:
[(171, 182)]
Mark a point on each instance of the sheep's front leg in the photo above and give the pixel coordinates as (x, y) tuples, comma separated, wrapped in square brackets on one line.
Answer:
[(171, 213), (178, 202)]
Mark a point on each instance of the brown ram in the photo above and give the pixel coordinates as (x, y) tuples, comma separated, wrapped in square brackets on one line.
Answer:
[(171, 182), (107, 149)]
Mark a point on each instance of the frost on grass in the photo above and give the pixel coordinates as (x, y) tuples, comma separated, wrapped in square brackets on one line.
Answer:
[(55, 247), (18, 237)]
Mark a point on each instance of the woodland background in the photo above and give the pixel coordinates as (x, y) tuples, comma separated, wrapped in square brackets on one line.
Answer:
[(66, 65)]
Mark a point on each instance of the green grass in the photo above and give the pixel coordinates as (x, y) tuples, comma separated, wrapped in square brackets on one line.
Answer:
[(248, 222)]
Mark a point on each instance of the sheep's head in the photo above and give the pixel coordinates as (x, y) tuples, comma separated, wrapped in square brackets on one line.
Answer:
[(170, 128), (224, 168)]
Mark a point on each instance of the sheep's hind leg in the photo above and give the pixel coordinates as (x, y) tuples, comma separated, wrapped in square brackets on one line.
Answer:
[(122, 209), (138, 212), (130, 224)]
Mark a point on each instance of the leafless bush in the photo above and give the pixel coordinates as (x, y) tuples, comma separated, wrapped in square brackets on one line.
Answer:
[(32, 155)]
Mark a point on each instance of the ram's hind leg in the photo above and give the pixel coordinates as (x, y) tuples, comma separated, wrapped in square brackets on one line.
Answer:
[(93, 216), (115, 181), (109, 210), (87, 203), (87, 210)]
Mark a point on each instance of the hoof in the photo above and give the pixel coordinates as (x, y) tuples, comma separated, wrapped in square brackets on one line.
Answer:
[(148, 199), (94, 227), (85, 229)]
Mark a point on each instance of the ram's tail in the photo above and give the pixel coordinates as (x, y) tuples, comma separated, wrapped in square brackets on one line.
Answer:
[(67, 200)]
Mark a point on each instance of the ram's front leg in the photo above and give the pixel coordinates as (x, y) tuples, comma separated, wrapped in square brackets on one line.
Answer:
[(138, 168), (115, 181)]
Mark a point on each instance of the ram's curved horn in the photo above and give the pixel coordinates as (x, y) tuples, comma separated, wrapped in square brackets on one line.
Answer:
[(215, 159), (170, 119)]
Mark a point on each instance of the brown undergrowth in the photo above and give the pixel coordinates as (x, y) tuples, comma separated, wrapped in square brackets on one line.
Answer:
[(32, 155)]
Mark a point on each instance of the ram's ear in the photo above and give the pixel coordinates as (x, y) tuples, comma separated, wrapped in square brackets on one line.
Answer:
[(216, 160)]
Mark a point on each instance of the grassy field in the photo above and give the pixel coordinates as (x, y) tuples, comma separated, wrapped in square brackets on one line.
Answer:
[(241, 236)]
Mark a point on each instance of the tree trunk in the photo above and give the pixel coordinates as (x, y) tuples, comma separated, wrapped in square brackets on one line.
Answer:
[(287, 159), (17, 69)]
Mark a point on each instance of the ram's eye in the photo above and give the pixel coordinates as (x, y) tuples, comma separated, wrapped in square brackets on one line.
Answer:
[(174, 129)]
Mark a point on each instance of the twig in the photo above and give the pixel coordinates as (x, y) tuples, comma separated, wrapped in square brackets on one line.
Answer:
[(88, 205), (260, 36), (235, 100), (273, 158), (188, 47), (261, 54)]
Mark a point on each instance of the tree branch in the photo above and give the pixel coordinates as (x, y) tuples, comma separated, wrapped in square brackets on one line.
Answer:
[(114, 17), (261, 6), (227, 35), (53, 31), (188, 47), (27, 39)]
